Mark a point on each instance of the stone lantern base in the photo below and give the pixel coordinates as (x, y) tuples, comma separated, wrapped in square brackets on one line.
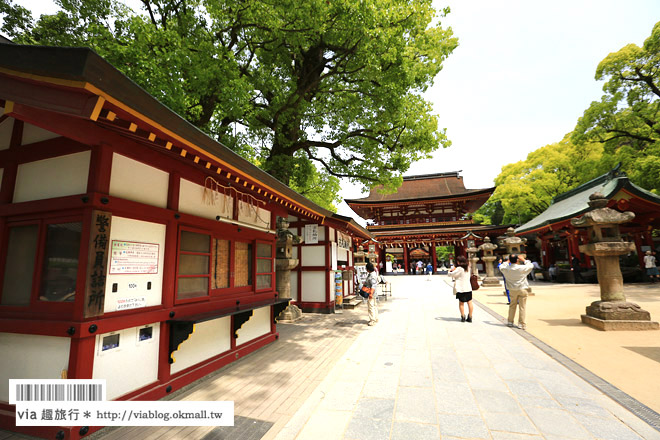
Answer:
[(618, 315), (291, 314), (490, 282)]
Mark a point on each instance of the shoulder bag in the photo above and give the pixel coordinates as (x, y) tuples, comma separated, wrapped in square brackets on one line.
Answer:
[(474, 282)]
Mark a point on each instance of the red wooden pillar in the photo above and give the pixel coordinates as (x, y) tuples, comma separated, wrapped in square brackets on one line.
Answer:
[(583, 239), (573, 249), (545, 251), (81, 358), (405, 258), (434, 257), (639, 242)]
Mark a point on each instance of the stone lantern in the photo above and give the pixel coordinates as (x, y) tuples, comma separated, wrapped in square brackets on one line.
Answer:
[(488, 257), (472, 251), (359, 256), (512, 244), (283, 265), (612, 312)]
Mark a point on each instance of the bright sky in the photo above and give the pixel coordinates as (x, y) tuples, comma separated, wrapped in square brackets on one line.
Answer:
[(521, 77)]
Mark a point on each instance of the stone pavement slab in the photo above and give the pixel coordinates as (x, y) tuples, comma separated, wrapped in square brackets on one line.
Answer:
[(425, 374), (419, 373)]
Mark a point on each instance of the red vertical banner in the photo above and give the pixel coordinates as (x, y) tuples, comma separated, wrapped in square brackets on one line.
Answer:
[(97, 263)]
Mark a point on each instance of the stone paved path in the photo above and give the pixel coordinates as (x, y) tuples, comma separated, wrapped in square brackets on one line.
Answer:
[(420, 373)]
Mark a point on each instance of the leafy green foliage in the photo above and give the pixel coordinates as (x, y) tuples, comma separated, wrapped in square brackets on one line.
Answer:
[(443, 253), (526, 188), (332, 85), (627, 118)]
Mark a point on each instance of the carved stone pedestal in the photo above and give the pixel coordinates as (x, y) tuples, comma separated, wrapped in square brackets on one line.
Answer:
[(487, 248), (618, 315), (612, 312), (283, 265), (491, 280)]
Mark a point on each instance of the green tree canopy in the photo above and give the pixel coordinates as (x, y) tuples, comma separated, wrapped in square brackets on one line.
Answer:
[(309, 91), (526, 188), (627, 118)]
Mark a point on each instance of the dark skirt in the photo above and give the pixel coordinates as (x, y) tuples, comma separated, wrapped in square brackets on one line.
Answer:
[(464, 296)]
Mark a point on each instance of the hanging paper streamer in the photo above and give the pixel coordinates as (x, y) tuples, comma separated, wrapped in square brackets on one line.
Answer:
[(216, 194)]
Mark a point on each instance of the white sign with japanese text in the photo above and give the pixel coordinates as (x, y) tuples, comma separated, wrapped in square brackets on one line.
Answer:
[(129, 257), (343, 240), (311, 234)]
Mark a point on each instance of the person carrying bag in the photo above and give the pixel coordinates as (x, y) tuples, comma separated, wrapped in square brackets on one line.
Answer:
[(461, 276)]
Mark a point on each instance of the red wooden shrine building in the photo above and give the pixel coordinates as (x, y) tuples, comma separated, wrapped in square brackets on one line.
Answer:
[(426, 211), (127, 236), (557, 240)]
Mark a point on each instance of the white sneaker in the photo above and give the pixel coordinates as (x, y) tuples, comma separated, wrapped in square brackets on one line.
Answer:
[(510, 324)]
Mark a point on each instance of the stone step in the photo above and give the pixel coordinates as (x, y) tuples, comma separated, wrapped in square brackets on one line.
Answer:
[(352, 301)]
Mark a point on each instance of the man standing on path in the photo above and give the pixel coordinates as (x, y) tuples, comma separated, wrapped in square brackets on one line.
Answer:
[(577, 270), (515, 273), (651, 268)]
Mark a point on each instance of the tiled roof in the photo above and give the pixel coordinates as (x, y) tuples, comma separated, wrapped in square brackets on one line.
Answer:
[(423, 187), (575, 202)]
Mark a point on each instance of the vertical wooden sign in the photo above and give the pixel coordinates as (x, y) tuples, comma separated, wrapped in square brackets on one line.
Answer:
[(97, 264)]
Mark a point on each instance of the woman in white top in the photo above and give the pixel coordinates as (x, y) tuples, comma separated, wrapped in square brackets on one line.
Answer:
[(461, 276)]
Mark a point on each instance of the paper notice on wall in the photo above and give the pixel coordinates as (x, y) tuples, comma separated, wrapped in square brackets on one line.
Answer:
[(130, 257), (343, 240), (131, 303), (311, 234)]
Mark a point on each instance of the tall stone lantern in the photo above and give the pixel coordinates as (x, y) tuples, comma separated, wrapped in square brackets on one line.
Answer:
[(612, 312), (283, 265), (472, 251), (488, 257), (512, 243)]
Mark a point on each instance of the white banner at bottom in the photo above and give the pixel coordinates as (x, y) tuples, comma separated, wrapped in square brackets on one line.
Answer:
[(125, 413)]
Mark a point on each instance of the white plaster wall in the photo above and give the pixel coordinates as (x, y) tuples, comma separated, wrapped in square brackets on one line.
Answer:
[(321, 229), (294, 285), (192, 201), (253, 215), (332, 234), (6, 128), (350, 259), (257, 325), (130, 366), (55, 177), (31, 357), (209, 339), (292, 219), (133, 180), (294, 250), (313, 255), (313, 286), (342, 254), (125, 229), (32, 134)]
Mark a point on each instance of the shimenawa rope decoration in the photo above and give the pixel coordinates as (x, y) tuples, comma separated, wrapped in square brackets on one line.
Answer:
[(216, 194)]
